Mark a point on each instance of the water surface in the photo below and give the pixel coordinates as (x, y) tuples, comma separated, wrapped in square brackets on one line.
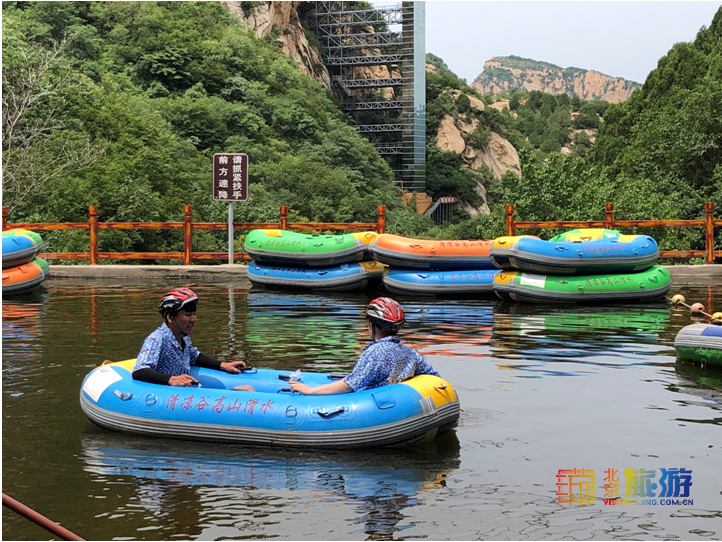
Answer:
[(542, 389)]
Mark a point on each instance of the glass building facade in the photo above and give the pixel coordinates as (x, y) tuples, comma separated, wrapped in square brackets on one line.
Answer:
[(413, 96), (397, 125)]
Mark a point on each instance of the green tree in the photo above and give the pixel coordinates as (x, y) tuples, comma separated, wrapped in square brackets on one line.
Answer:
[(40, 143)]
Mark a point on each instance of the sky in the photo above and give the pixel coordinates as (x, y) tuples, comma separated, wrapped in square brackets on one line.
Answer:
[(618, 38)]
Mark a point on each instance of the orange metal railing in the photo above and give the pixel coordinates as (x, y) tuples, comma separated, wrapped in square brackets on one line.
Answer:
[(708, 222), (188, 226)]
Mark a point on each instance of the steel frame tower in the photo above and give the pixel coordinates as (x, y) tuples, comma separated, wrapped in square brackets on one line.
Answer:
[(346, 44)]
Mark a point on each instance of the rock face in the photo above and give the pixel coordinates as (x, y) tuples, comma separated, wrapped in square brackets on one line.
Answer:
[(505, 73), (498, 155), (264, 16)]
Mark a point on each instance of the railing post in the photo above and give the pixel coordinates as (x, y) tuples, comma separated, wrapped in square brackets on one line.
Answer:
[(510, 228), (93, 209), (380, 219), (709, 226), (5, 218), (609, 216), (284, 217), (187, 234)]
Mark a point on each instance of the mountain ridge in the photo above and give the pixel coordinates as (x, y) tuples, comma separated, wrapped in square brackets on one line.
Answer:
[(507, 73)]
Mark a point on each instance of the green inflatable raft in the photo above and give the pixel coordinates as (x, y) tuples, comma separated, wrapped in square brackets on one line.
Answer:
[(288, 248), (518, 286)]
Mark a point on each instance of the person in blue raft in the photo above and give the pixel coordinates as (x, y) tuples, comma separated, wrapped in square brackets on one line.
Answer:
[(167, 353), (385, 361)]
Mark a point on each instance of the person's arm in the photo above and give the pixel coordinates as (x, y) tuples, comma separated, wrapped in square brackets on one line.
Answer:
[(423, 367), (151, 376), (154, 377), (326, 389), (212, 363)]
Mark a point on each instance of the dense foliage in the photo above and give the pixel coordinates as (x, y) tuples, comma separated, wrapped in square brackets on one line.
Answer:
[(133, 98)]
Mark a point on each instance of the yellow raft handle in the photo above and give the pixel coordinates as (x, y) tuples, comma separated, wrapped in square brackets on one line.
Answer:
[(441, 388)]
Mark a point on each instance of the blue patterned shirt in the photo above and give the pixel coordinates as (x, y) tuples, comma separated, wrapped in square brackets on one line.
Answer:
[(161, 352), (387, 361)]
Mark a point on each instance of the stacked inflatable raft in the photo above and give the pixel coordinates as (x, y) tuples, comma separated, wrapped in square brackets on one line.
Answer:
[(581, 265), (23, 271), (432, 267), (700, 343), (286, 259)]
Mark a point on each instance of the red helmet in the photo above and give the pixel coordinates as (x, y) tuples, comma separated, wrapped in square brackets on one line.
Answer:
[(386, 310), (175, 300)]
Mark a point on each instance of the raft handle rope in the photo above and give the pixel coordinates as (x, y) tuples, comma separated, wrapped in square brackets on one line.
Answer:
[(695, 308)]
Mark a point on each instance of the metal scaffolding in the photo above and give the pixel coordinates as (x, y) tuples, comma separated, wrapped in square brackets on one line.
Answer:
[(353, 39)]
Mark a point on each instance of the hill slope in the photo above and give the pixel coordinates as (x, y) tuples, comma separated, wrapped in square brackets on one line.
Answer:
[(505, 73)]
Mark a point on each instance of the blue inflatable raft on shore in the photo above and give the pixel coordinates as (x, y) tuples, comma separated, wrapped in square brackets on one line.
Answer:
[(622, 254), (339, 278), (19, 247), (410, 412), (440, 283)]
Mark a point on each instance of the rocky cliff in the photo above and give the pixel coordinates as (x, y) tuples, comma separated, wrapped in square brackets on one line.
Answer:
[(263, 17), (505, 73), (498, 155)]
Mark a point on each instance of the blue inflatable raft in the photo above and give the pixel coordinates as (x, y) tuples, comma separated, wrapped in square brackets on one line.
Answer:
[(440, 283), (414, 411), (19, 247), (622, 254), (344, 277)]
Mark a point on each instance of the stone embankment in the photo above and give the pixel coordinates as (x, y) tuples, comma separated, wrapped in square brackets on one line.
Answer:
[(682, 275)]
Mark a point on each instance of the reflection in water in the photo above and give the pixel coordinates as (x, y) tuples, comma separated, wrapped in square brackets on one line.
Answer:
[(171, 481), (328, 331), (576, 336), (704, 385), (21, 325), (21, 331), (448, 328)]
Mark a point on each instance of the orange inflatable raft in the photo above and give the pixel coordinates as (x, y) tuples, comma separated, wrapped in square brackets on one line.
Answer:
[(25, 277), (400, 251)]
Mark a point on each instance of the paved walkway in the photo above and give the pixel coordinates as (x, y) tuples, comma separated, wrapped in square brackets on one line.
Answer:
[(681, 274), (226, 273)]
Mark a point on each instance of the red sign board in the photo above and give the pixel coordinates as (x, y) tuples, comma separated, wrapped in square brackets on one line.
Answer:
[(230, 177)]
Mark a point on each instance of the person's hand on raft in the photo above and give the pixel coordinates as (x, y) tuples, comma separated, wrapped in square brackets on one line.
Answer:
[(232, 366), (182, 380), (243, 388), (300, 388)]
